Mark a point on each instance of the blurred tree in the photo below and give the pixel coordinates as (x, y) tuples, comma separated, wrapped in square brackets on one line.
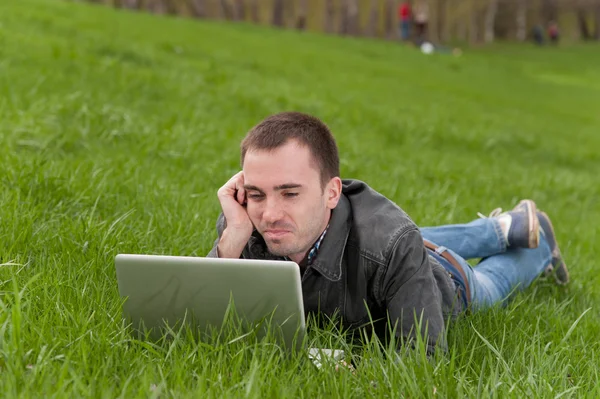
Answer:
[(254, 13), (354, 17), (584, 30), (131, 4), (521, 19), (473, 22), (343, 28), (157, 6), (373, 19), (329, 16), (389, 14), (442, 20), (349, 23), (548, 11), (171, 7), (198, 8), (278, 11), (239, 10), (597, 21), (226, 9), (490, 20), (301, 14)]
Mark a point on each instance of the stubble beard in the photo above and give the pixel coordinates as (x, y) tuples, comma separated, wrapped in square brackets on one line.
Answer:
[(280, 248)]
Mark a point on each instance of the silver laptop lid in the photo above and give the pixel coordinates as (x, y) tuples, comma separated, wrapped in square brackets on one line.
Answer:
[(172, 289)]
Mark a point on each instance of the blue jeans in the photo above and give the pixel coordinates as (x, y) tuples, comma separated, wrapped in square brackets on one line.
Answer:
[(405, 30), (502, 271)]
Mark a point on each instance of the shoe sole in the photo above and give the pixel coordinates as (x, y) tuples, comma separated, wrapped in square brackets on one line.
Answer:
[(558, 266), (534, 224)]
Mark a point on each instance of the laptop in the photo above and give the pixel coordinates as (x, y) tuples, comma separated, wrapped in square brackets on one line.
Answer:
[(165, 291)]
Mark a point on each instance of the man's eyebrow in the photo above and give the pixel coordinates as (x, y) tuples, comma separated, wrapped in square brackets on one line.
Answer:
[(249, 187), (286, 186)]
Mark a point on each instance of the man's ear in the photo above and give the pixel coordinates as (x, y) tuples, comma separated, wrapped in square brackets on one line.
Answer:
[(333, 191)]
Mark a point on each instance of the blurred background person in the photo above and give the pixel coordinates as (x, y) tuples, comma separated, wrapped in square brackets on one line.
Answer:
[(405, 18)]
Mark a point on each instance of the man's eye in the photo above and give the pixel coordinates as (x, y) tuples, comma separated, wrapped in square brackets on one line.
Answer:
[(254, 196), (289, 195)]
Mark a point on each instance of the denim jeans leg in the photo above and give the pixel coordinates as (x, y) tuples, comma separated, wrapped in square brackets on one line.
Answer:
[(500, 276), (478, 239), (496, 278)]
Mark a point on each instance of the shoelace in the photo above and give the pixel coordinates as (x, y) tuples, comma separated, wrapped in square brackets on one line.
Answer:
[(493, 214)]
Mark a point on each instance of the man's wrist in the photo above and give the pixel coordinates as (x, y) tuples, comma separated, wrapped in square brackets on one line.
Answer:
[(231, 246)]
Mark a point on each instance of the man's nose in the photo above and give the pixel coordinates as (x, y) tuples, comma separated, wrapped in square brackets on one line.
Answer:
[(272, 212)]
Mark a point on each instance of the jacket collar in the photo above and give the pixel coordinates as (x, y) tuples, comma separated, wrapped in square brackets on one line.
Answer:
[(329, 260)]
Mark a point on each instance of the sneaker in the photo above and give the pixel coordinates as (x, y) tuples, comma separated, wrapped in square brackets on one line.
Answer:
[(558, 266), (524, 231)]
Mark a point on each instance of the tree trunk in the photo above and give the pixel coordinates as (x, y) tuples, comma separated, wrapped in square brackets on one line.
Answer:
[(239, 10), (329, 16), (157, 7), (198, 8), (226, 9), (373, 18), (521, 20), (301, 16), (170, 6), (278, 10), (584, 30), (349, 23), (548, 11), (254, 15), (442, 21), (352, 15), (343, 29), (462, 30), (389, 19), (473, 25), (289, 12), (597, 22), (490, 21)]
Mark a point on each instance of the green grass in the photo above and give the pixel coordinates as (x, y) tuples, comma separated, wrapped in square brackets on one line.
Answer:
[(117, 129)]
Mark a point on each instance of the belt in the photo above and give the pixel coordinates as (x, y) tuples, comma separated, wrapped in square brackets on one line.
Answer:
[(442, 252)]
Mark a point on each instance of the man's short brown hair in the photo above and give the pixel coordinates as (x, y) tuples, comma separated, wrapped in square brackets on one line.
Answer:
[(276, 130)]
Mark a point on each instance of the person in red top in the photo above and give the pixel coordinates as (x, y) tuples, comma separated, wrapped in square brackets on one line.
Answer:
[(553, 32), (405, 17)]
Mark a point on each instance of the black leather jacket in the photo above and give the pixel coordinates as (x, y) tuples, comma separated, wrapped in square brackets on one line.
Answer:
[(373, 254)]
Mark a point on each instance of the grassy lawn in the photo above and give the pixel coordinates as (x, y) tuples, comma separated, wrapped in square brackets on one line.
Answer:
[(117, 129)]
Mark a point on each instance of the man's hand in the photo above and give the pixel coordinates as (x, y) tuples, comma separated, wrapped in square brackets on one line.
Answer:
[(342, 364), (232, 197)]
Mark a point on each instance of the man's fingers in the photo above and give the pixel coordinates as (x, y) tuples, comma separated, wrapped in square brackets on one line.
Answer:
[(239, 185), (241, 195), (232, 186), (347, 365)]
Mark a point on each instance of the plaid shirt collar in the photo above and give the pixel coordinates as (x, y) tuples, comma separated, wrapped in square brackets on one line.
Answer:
[(312, 254)]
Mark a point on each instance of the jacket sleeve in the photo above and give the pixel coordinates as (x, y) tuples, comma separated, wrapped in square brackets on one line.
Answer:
[(221, 224), (410, 294)]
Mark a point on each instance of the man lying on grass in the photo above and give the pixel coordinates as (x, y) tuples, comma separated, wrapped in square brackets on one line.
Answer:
[(355, 247)]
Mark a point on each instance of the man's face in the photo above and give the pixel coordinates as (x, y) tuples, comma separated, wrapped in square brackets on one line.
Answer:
[(286, 202)]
